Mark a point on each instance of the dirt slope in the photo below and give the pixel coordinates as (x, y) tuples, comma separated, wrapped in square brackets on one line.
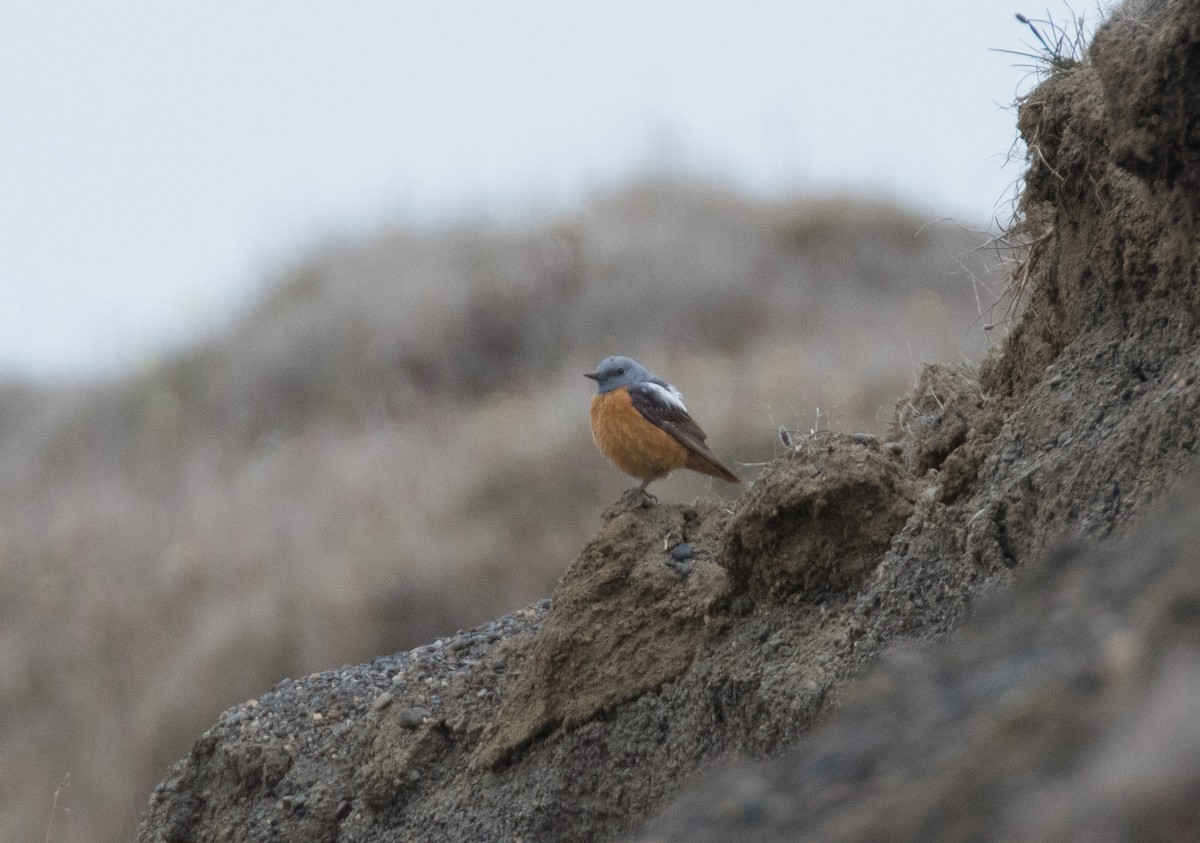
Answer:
[(1069, 710), (843, 549)]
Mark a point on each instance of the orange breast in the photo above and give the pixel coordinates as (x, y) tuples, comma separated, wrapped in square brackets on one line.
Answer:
[(637, 447)]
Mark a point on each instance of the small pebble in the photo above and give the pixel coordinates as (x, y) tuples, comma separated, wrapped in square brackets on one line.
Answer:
[(411, 718), (297, 801), (1064, 438), (382, 701), (682, 551), (867, 440), (894, 448)]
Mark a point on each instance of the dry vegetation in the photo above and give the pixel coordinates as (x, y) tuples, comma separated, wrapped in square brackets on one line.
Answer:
[(393, 444)]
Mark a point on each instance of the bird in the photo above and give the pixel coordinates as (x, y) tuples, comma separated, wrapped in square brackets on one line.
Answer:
[(639, 421)]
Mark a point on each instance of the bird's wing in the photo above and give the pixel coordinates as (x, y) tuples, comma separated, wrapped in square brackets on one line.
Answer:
[(662, 406)]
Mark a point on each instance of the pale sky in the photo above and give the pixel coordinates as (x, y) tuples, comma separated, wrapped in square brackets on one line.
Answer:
[(159, 159)]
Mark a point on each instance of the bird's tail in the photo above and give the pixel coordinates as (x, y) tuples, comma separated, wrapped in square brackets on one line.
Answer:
[(707, 464)]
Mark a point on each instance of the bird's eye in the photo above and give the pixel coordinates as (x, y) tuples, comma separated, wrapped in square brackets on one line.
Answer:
[(621, 370)]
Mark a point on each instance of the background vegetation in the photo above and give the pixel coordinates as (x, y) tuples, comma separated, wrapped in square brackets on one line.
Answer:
[(393, 444)]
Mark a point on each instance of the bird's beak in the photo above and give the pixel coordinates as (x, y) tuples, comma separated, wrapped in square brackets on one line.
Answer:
[(591, 375)]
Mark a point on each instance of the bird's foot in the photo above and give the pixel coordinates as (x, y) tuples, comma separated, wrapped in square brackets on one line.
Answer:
[(630, 501), (638, 496)]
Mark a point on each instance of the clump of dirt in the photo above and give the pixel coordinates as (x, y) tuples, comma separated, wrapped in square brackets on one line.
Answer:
[(945, 412), (623, 621), (838, 554), (1158, 139), (1110, 195), (818, 521)]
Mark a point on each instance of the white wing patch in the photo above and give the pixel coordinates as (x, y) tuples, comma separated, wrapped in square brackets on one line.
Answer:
[(668, 394)]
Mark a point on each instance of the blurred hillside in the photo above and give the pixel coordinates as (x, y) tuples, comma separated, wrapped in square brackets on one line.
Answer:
[(393, 444)]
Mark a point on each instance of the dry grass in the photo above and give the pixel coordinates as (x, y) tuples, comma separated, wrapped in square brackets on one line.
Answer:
[(393, 444)]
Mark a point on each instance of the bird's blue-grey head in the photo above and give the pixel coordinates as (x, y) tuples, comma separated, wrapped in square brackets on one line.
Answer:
[(616, 371)]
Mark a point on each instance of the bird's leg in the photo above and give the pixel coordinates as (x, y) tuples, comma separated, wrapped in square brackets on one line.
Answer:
[(639, 491), (642, 488)]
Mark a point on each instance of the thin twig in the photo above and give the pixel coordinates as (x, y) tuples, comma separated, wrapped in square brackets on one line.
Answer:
[(66, 782)]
